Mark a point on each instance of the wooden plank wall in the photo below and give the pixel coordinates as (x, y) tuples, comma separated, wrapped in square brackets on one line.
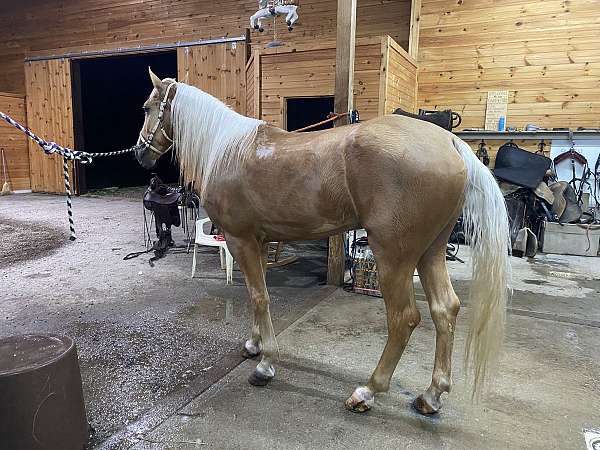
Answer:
[(545, 53), (49, 114), (252, 85), (307, 71), (218, 69), (58, 26), (399, 79), (14, 143)]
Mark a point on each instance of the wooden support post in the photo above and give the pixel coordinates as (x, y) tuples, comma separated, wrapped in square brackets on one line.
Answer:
[(344, 102), (415, 22)]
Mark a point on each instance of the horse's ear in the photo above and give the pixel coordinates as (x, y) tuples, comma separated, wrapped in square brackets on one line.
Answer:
[(156, 82)]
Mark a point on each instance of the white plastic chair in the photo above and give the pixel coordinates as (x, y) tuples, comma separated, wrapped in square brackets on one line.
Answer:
[(210, 241)]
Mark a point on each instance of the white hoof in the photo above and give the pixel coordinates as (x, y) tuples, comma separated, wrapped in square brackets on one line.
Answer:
[(252, 348), (361, 400)]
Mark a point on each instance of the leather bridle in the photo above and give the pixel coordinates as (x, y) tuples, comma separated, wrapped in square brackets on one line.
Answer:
[(147, 141)]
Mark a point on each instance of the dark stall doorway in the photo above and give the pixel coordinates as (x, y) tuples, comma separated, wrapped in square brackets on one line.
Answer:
[(108, 94), (304, 111)]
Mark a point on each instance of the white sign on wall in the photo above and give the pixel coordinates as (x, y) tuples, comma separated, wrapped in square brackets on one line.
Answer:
[(497, 106)]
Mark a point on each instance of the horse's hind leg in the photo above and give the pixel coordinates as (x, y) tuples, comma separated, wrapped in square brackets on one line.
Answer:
[(395, 269), (444, 306), (249, 255)]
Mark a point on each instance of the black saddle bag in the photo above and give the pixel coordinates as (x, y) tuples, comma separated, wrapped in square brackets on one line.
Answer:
[(446, 119), (520, 167)]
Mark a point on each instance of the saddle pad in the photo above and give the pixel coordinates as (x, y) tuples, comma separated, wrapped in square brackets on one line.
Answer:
[(520, 167)]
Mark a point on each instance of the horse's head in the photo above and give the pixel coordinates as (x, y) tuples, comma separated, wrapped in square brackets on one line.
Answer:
[(156, 136)]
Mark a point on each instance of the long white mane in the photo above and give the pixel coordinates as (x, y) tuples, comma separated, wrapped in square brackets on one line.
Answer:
[(211, 140)]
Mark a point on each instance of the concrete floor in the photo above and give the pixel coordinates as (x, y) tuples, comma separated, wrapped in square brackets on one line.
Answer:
[(159, 351), (548, 389)]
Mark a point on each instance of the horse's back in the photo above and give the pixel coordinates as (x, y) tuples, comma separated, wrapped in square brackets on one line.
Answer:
[(408, 140)]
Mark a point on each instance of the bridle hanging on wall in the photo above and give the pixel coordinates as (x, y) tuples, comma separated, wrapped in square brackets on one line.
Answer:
[(483, 153)]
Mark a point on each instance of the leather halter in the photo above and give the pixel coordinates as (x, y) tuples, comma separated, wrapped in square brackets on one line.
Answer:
[(147, 141)]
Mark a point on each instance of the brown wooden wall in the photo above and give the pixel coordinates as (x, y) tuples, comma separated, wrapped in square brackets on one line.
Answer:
[(218, 69), (57, 26), (309, 71), (253, 85), (398, 79), (545, 53), (14, 143), (50, 115)]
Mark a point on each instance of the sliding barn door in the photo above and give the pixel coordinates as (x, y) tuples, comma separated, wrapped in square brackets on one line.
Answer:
[(49, 115), (219, 69)]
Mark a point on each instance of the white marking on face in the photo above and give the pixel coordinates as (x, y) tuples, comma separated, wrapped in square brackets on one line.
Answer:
[(264, 152)]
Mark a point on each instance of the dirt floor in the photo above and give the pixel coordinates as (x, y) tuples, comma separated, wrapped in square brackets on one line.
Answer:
[(21, 240), (149, 338)]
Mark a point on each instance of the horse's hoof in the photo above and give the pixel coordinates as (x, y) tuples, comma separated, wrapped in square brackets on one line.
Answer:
[(246, 354), (258, 378), (250, 349), (261, 30), (425, 407), (360, 401), (255, 27), (290, 28)]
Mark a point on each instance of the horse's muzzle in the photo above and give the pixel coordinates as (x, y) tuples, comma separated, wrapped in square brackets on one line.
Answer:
[(142, 156)]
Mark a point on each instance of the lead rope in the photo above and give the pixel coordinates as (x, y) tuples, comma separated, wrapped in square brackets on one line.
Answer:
[(51, 148), (69, 202), (354, 118)]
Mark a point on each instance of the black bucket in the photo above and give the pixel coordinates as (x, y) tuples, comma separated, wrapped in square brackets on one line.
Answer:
[(41, 404)]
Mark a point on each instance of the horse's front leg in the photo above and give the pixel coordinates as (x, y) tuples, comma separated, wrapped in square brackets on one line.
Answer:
[(249, 254), (253, 346)]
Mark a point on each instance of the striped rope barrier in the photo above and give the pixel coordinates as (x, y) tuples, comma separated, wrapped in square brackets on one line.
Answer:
[(52, 148)]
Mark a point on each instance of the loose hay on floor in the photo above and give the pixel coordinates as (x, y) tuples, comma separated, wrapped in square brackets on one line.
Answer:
[(22, 241)]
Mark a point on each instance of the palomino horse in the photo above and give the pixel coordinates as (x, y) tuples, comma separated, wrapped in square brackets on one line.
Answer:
[(405, 181)]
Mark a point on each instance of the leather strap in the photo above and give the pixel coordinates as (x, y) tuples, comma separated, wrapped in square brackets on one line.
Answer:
[(147, 141)]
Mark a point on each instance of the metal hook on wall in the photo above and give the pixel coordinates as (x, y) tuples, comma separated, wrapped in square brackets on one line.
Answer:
[(483, 153), (541, 148)]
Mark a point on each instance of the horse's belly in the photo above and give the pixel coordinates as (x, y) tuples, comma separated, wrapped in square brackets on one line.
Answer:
[(279, 231)]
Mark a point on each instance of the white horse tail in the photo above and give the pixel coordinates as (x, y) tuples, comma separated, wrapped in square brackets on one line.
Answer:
[(486, 229)]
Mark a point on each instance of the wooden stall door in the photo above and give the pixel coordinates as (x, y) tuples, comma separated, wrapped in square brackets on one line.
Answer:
[(50, 115), (14, 143), (219, 69)]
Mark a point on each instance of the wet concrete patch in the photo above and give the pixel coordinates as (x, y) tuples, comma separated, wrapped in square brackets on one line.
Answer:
[(24, 240)]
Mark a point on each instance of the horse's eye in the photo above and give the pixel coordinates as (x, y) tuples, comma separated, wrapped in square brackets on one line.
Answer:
[(146, 109)]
